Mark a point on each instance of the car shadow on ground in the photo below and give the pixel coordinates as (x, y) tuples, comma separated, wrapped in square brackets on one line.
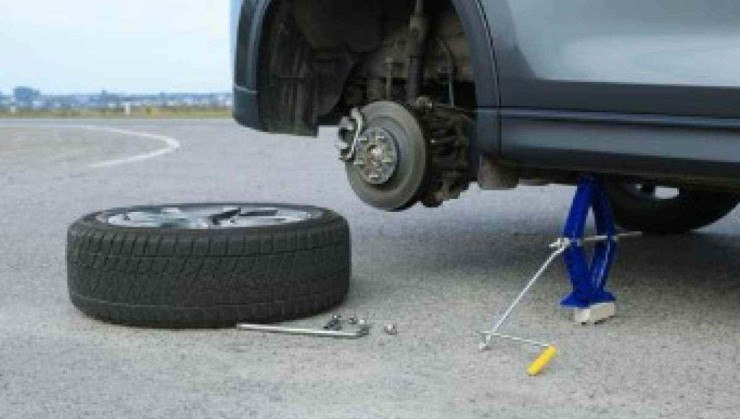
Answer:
[(664, 271)]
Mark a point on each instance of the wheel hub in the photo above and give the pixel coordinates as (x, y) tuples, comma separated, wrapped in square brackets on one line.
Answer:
[(377, 156), (397, 155)]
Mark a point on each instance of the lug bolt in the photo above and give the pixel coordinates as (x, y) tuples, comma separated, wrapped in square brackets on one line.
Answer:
[(335, 323), (390, 329)]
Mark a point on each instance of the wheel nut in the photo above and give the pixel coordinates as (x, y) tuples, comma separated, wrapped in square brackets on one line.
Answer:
[(391, 329), (335, 323)]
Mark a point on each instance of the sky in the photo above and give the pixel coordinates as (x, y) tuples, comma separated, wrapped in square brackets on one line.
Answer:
[(123, 46)]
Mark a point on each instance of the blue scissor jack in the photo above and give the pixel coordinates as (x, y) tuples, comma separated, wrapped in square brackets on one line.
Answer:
[(589, 298)]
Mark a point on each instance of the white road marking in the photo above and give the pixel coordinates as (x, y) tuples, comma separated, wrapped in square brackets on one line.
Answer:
[(171, 143)]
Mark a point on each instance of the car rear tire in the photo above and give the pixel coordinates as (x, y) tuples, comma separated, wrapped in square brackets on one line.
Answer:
[(175, 276), (639, 207)]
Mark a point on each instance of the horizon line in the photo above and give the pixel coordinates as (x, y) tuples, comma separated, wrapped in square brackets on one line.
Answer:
[(118, 93)]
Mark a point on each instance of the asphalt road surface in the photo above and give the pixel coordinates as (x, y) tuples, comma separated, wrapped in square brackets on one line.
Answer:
[(440, 275)]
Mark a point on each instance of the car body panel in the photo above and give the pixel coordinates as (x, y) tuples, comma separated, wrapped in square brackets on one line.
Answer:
[(644, 88), (698, 150), (672, 57), (245, 39), (246, 27)]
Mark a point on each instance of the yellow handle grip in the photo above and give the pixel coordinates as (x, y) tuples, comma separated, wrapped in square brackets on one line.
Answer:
[(536, 367)]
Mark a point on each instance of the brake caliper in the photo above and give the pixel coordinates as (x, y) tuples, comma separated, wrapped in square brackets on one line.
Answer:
[(350, 129), (448, 135)]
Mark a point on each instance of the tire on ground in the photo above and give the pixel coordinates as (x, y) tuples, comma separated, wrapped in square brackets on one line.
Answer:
[(689, 210), (185, 278)]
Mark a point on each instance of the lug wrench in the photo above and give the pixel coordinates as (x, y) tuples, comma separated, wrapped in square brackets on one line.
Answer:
[(364, 330)]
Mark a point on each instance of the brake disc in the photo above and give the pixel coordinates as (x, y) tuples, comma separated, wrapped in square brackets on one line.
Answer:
[(388, 168)]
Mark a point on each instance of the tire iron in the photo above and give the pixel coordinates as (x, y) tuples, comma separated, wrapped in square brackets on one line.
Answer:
[(362, 331), (550, 351)]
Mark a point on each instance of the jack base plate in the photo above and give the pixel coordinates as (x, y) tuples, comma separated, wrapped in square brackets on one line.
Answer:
[(597, 313)]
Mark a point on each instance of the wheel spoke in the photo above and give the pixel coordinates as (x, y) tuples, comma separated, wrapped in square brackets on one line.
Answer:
[(208, 216)]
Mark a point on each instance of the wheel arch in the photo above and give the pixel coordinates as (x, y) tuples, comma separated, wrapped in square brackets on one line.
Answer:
[(471, 15), (478, 35)]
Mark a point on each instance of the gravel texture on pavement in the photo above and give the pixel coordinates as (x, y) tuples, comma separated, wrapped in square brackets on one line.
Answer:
[(439, 275)]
